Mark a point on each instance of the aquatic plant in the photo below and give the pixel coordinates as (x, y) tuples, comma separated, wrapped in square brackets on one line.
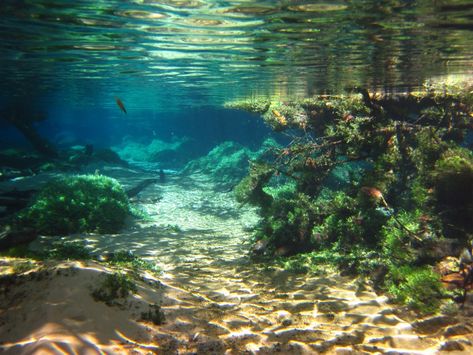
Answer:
[(126, 259), (254, 104), (83, 203), (154, 315), (388, 212), (68, 250), (418, 287), (114, 286), (250, 188)]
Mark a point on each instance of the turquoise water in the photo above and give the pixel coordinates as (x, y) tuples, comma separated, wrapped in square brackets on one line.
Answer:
[(174, 55)]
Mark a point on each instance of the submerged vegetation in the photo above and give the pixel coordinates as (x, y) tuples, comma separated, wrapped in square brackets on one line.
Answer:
[(83, 203), (375, 184)]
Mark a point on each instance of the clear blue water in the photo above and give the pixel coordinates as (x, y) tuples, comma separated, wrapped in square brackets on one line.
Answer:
[(175, 62)]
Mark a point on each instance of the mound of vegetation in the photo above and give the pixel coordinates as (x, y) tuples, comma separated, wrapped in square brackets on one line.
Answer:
[(404, 190), (83, 203)]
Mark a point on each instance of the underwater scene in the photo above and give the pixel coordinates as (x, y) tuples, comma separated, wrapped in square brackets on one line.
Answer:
[(236, 177)]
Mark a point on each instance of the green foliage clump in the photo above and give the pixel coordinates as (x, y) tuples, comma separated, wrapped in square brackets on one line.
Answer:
[(154, 315), (63, 250), (250, 189), (254, 104), (417, 287), (83, 203), (113, 287), (127, 259), (370, 182), (397, 241)]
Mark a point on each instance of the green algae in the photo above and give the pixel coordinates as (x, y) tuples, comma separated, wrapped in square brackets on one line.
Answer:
[(389, 211)]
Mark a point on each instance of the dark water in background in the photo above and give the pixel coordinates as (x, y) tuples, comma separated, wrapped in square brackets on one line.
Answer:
[(174, 62)]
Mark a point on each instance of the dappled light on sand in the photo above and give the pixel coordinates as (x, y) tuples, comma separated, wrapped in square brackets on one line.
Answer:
[(214, 300)]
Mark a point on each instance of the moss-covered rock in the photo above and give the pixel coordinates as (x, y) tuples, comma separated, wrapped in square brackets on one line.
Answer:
[(83, 203), (228, 162)]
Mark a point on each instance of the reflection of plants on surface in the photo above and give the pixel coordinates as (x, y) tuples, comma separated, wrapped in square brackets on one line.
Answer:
[(84, 203), (411, 173)]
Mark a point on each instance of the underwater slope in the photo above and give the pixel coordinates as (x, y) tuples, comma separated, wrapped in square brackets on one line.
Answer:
[(214, 300)]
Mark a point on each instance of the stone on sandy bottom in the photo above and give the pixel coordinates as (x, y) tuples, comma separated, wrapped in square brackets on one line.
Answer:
[(458, 329), (284, 318), (217, 329), (356, 318), (167, 343), (433, 324), (297, 307), (406, 342), (332, 306), (297, 334), (239, 339), (343, 339), (451, 345), (238, 323), (382, 319), (348, 351), (292, 347), (210, 347)]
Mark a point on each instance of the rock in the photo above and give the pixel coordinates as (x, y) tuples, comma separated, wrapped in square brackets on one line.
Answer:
[(237, 340), (459, 329), (211, 347), (167, 344), (296, 307), (451, 345), (298, 334), (332, 306), (382, 319), (355, 337), (405, 342), (260, 247), (437, 249), (284, 317), (433, 324), (218, 329)]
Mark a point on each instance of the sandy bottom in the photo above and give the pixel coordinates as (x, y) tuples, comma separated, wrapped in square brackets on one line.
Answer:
[(214, 299)]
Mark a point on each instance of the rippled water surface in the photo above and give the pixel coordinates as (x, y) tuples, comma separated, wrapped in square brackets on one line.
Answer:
[(182, 53)]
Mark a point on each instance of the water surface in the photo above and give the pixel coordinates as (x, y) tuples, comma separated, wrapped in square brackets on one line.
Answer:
[(177, 54)]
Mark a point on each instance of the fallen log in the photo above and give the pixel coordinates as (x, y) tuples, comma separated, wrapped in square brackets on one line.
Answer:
[(140, 187), (10, 237)]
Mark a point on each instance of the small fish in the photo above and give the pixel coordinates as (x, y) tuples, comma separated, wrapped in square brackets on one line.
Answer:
[(348, 117), (120, 104), (374, 193), (280, 117)]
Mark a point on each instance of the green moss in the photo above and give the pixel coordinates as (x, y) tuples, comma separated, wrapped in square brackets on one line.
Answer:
[(83, 203), (115, 286)]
